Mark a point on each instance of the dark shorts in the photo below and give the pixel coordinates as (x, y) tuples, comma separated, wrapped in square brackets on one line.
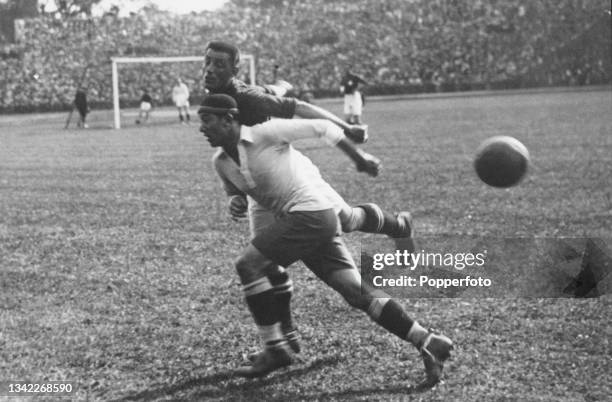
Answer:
[(310, 236), (82, 109)]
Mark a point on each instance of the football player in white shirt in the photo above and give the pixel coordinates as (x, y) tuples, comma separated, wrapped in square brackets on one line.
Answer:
[(258, 105), (180, 97), (260, 162)]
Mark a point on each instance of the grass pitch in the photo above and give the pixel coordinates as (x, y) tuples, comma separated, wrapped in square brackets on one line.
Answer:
[(116, 259)]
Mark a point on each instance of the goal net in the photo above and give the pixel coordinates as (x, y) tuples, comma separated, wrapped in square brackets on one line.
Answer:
[(158, 75)]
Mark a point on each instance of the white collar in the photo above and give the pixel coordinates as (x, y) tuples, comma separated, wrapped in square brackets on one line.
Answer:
[(246, 134)]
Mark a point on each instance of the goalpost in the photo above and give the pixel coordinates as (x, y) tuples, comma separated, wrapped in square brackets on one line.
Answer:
[(133, 60)]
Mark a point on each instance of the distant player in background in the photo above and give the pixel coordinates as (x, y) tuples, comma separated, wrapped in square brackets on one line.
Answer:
[(353, 98), (146, 104), (80, 102), (180, 97)]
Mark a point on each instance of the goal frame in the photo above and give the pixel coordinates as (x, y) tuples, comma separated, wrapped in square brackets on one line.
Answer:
[(116, 61)]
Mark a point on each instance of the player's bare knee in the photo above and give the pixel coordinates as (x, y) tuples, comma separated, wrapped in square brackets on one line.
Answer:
[(351, 218), (347, 224), (272, 269), (248, 270), (252, 265), (243, 269)]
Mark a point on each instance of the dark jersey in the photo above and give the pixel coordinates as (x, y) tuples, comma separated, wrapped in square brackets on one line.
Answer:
[(256, 105), (80, 100), (350, 82)]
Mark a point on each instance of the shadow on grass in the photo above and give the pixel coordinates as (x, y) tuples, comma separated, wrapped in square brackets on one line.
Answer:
[(226, 385), (403, 390)]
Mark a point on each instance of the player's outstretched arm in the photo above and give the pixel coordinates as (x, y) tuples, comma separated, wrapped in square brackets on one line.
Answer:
[(290, 130), (356, 133), (363, 160)]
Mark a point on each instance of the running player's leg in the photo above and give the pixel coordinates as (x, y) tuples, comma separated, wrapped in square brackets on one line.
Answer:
[(335, 266), (288, 239), (252, 268), (259, 219)]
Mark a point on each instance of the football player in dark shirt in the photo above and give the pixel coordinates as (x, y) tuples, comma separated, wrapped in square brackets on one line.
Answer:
[(80, 102), (257, 105), (353, 98)]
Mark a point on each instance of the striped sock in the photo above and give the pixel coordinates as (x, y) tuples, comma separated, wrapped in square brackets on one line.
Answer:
[(271, 335), (378, 221), (417, 335), (390, 315), (260, 299)]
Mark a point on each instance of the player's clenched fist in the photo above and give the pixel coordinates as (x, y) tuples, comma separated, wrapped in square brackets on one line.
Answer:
[(370, 164), (238, 207)]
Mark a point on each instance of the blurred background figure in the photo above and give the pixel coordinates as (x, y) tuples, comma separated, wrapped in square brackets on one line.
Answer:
[(353, 98), (180, 97), (80, 102), (146, 104)]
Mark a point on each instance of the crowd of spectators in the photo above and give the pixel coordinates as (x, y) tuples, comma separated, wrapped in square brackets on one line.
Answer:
[(397, 45)]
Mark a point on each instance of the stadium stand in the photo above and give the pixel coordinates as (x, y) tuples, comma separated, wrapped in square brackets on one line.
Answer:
[(400, 46)]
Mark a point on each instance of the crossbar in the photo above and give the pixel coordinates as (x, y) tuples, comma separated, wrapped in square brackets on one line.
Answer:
[(115, 61)]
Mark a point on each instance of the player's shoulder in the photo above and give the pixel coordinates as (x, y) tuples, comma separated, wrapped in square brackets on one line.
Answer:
[(252, 97), (262, 131), (241, 88), (237, 86)]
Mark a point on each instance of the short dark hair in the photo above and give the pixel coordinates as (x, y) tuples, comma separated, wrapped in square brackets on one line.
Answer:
[(225, 47), (219, 104)]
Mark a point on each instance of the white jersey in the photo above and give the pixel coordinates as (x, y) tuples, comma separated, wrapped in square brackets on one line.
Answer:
[(180, 95), (273, 173), (353, 103)]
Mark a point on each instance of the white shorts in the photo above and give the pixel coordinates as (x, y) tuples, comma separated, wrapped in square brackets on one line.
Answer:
[(145, 106), (181, 101), (353, 104)]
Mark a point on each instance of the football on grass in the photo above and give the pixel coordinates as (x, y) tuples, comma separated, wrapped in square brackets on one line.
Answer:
[(501, 161)]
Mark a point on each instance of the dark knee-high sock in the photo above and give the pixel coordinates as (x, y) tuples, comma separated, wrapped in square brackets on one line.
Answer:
[(390, 315), (260, 299), (283, 291)]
